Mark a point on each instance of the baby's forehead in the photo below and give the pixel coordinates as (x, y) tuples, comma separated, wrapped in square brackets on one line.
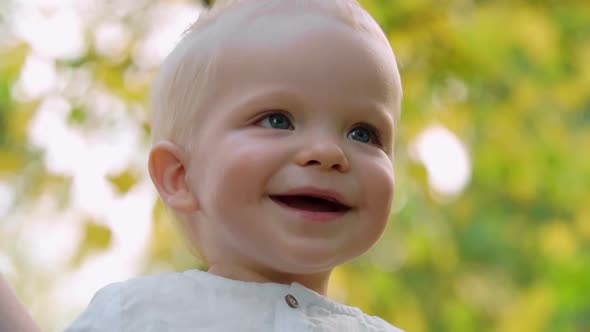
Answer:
[(267, 29)]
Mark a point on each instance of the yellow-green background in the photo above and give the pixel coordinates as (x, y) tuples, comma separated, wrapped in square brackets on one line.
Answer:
[(511, 253)]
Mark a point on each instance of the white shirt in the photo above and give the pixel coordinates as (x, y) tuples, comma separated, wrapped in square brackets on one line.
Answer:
[(199, 301)]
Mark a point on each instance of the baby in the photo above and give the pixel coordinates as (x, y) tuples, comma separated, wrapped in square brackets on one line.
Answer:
[(273, 131)]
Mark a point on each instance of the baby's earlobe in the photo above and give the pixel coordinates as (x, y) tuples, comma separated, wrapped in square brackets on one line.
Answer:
[(182, 203)]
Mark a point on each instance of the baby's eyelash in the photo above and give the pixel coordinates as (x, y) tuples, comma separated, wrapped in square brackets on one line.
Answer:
[(264, 114), (266, 117)]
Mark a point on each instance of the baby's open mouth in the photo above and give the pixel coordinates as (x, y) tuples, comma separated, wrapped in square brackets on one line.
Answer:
[(310, 203)]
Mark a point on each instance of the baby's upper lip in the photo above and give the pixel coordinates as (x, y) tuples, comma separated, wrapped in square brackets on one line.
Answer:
[(327, 194)]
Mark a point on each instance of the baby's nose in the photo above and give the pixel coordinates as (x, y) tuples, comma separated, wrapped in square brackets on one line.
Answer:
[(326, 156)]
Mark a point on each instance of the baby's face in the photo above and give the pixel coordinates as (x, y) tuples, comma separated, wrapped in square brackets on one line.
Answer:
[(292, 162)]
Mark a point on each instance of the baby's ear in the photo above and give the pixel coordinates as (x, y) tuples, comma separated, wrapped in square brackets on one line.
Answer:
[(168, 173)]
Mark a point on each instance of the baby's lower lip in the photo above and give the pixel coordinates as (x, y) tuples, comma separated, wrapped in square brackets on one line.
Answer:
[(314, 216)]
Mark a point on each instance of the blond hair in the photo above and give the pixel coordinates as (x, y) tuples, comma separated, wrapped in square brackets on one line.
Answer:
[(182, 82)]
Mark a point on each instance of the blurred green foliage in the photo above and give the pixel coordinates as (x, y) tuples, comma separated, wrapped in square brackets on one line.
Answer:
[(512, 253)]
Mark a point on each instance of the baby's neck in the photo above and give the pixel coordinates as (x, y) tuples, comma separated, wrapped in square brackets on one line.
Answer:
[(317, 282)]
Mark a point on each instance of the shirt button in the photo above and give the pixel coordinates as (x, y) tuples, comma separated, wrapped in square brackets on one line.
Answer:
[(291, 301)]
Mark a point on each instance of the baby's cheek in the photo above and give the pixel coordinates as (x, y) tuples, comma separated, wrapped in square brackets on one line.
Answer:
[(241, 174), (380, 183)]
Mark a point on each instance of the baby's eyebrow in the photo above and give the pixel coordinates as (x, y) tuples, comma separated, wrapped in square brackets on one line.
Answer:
[(265, 97)]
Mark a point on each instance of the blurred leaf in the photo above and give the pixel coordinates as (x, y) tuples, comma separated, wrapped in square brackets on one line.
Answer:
[(11, 161), (124, 181), (531, 312), (77, 116), (96, 238)]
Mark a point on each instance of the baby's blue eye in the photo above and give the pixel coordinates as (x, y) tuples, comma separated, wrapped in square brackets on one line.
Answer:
[(276, 121), (364, 135)]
